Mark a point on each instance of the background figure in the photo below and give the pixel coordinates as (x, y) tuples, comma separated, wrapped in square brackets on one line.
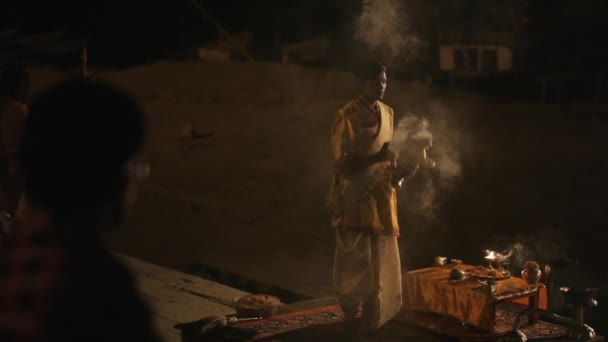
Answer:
[(14, 84), (58, 281)]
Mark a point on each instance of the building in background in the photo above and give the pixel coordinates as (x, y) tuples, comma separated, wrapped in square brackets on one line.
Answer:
[(482, 53), (19, 46), (224, 49), (306, 51), (476, 38)]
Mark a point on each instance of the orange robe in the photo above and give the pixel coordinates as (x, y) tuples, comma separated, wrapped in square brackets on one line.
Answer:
[(367, 200)]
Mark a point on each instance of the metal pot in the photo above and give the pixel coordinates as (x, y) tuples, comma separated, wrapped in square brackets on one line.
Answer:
[(531, 276)]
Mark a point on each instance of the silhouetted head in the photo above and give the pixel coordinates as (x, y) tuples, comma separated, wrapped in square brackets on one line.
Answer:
[(14, 82), (371, 80), (77, 151)]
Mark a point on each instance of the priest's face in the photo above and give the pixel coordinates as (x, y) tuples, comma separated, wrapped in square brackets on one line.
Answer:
[(374, 88)]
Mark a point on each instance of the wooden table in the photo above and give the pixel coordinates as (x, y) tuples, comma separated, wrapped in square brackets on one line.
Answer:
[(429, 290)]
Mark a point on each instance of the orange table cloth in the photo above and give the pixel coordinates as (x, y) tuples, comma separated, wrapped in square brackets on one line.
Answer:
[(429, 290)]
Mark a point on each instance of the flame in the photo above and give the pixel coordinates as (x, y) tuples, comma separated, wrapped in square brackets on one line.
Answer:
[(491, 255)]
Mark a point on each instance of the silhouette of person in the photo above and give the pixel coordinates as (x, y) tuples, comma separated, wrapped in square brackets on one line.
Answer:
[(58, 281), (14, 84)]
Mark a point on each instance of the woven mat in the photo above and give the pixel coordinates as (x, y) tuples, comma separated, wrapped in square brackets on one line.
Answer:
[(332, 315), (280, 324), (504, 324)]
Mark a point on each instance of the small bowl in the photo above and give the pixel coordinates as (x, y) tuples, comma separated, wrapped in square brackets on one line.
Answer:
[(440, 261), (256, 305)]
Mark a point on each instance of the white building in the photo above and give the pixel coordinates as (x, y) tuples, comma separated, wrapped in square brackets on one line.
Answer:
[(481, 54)]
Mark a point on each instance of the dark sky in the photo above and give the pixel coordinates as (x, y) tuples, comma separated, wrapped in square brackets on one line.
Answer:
[(97, 16), (154, 27), (132, 30)]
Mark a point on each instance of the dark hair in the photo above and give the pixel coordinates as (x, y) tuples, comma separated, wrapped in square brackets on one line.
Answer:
[(10, 78), (368, 70), (77, 138)]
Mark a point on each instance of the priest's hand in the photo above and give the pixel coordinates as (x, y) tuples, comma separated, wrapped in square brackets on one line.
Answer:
[(400, 175), (409, 163), (353, 163)]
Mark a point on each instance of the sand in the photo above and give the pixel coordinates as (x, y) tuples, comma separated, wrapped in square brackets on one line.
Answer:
[(249, 199)]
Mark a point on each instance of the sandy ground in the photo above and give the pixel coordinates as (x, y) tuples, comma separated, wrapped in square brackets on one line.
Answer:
[(250, 199)]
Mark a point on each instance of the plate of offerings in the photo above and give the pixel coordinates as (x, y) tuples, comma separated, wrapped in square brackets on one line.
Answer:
[(488, 273)]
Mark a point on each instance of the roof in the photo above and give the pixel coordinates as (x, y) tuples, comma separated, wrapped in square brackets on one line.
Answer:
[(476, 37)]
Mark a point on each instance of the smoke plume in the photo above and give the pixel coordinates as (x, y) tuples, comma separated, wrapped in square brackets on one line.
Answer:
[(544, 245), (444, 153), (448, 142), (383, 27), (410, 127)]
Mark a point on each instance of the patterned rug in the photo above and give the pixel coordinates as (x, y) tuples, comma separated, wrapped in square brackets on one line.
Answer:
[(332, 315), (504, 323), (280, 324), (505, 319)]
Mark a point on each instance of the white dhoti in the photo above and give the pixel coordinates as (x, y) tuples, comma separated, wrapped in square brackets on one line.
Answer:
[(367, 271)]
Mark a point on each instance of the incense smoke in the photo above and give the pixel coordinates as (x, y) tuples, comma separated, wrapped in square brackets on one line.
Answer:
[(383, 27), (544, 245), (421, 201), (448, 142), (409, 128), (412, 128)]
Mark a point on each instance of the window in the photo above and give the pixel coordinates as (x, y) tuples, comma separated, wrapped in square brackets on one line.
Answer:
[(466, 59)]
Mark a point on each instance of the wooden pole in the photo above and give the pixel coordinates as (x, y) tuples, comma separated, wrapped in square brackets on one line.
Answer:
[(84, 71), (599, 79)]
